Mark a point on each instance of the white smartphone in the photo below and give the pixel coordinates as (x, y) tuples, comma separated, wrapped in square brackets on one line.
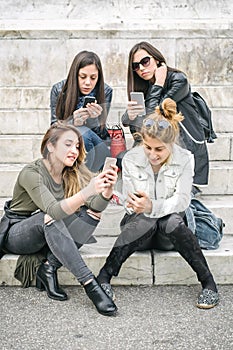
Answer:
[(108, 162), (139, 98)]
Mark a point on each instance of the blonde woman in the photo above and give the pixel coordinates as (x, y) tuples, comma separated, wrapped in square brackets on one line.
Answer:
[(57, 204), (157, 182)]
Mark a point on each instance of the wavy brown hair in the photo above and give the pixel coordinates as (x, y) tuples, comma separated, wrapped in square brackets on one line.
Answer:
[(166, 112), (77, 176), (134, 82), (70, 94)]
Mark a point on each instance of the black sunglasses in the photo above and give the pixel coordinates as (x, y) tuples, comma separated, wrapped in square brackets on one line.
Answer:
[(145, 61), (162, 124)]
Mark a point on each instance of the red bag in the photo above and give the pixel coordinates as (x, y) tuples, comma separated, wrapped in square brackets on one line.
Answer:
[(118, 143)]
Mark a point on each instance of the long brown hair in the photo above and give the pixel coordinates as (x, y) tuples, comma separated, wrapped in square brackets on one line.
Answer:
[(77, 176), (70, 94), (134, 82), (166, 132)]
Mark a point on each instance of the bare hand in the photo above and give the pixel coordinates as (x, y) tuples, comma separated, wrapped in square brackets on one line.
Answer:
[(110, 180), (160, 74), (94, 110), (134, 110), (139, 205), (80, 116)]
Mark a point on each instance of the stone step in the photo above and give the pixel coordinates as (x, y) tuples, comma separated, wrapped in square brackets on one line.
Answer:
[(25, 148), (222, 206), (36, 121), (156, 267), (220, 179)]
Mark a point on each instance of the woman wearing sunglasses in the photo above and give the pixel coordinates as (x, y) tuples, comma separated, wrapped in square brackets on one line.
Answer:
[(148, 73), (157, 181)]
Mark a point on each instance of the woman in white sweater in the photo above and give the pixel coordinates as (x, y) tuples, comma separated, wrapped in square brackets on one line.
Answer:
[(157, 182)]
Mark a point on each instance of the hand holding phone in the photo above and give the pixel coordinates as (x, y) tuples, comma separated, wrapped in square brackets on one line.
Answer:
[(88, 99), (139, 98), (108, 162)]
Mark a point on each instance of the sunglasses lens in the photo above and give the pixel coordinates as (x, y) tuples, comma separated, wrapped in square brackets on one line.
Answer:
[(135, 66), (148, 123), (163, 124), (144, 61)]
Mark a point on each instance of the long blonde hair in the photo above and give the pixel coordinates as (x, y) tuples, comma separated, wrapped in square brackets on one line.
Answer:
[(77, 176)]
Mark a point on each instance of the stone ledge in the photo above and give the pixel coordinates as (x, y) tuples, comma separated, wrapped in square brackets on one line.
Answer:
[(27, 147), (113, 26), (166, 268), (109, 226)]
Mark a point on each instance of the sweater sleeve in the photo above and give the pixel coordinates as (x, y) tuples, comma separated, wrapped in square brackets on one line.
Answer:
[(33, 184), (97, 203)]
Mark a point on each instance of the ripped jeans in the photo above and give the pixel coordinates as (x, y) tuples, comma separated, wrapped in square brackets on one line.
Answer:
[(63, 238), (139, 233)]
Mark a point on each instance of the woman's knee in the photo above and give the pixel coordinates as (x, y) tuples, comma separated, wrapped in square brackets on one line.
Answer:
[(170, 222)]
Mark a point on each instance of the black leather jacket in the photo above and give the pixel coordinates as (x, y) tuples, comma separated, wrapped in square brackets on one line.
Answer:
[(57, 88), (176, 87)]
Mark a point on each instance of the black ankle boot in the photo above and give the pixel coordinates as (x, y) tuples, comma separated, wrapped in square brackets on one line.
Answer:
[(46, 279), (102, 302)]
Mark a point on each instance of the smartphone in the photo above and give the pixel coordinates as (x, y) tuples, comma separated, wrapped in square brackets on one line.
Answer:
[(139, 98), (88, 99), (108, 162)]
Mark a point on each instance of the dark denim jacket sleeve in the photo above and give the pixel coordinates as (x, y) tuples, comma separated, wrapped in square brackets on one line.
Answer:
[(55, 91), (108, 96)]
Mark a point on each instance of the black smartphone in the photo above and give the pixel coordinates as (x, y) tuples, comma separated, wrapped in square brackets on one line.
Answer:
[(88, 99)]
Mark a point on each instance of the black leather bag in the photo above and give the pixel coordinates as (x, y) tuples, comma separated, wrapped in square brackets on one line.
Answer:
[(204, 114), (9, 218)]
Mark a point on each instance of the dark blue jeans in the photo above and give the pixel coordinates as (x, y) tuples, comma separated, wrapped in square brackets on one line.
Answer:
[(96, 149), (63, 238)]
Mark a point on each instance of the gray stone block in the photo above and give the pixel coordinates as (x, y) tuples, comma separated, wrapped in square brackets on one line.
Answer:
[(222, 119), (170, 268), (20, 149), (24, 122), (221, 148)]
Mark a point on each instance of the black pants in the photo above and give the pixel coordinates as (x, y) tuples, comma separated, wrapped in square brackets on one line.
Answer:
[(139, 232)]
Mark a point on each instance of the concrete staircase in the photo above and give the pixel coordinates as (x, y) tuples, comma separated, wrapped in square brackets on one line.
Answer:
[(37, 47)]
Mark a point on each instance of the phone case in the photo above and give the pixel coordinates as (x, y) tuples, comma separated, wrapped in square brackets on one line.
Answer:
[(139, 97), (108, 162), (88, 99)]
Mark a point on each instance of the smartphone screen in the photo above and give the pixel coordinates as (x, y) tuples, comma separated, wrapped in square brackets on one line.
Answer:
[(139, 98), (108, 162), (88, 99)]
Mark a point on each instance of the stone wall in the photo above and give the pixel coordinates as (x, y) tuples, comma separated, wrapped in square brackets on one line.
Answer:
[(39, 39)]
